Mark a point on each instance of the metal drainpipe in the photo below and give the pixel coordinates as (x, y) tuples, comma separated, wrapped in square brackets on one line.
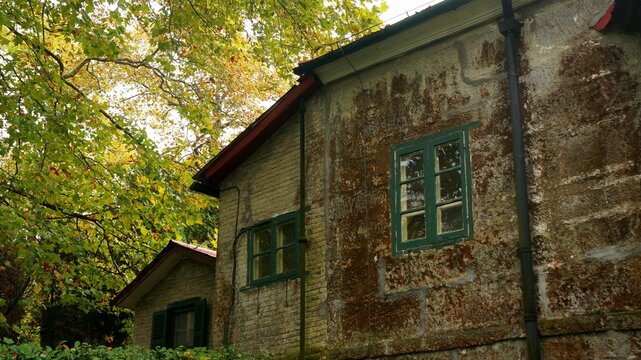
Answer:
[(302, 242), (510, 28)]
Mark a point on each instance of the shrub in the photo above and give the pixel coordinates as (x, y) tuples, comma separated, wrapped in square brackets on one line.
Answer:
[(27, 351)]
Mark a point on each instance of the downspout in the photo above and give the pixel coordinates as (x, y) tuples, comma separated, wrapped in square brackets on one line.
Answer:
[(302, 241), (510, 28)]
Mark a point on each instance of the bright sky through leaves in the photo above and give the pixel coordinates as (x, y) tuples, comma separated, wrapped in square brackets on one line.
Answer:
[(87, 197), (401, 9)]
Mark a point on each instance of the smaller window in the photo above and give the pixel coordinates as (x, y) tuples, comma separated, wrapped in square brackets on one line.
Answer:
[(183, 323), (430, 190), (273, 250)]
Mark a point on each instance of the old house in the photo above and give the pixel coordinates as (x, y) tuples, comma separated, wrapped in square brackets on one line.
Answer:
[(463, 184), (173, 297)]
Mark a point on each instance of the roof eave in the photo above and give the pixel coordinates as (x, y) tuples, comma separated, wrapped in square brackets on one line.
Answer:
[(430, 12), (429, 26), (218, 168)]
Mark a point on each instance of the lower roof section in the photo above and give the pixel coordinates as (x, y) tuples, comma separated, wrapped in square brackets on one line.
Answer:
[(152, 274)]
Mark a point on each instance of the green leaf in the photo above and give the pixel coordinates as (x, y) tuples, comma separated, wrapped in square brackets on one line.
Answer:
[(4, 20)]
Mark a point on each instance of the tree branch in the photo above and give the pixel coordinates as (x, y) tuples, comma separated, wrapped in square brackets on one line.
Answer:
[(54, 207), (58, 60)]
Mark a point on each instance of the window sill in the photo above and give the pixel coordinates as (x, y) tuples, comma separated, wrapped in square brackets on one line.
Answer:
[(428, 246), (270, 282)]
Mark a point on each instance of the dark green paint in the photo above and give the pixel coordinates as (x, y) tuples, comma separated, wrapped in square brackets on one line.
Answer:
[(302, 241), (272, 225), (158, 326), (162, 325), (510, 27), (427, 144)]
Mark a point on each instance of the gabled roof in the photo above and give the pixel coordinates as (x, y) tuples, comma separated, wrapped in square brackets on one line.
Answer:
[(152, 274), (218, 168)]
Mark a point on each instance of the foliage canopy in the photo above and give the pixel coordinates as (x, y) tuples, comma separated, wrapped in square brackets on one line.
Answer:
[(109, 106)]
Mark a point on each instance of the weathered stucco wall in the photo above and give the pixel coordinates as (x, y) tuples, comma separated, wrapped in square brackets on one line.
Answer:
[(584, 128), (452, 296), (188, 279), (582, 114), (581, 104)]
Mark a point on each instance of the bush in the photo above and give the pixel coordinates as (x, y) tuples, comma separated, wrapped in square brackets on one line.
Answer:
[(9, 350)]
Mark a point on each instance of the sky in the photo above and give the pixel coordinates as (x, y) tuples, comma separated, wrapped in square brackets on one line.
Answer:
[(401, 9)]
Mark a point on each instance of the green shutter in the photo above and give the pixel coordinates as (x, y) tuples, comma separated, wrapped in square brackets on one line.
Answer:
[(200, 323), (158, 323)]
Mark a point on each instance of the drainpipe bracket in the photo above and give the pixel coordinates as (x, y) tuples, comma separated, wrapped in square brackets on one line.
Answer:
[(510, 25), (526, 250)]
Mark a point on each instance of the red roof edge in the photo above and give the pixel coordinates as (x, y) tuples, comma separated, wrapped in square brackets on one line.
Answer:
[(195, 248), (192, 252), (601, 20), (218, 168)]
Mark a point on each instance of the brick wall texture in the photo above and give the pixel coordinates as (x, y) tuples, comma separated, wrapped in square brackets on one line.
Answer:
[(268, 183), (186, 280), (581, 106)]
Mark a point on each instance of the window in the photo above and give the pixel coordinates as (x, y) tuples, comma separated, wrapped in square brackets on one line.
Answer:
[(430, 191), (184, 328), (183, 323), (273, 250)]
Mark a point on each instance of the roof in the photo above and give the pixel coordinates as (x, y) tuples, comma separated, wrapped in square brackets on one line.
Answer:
[(624, 12), (437, 22), (421, 16), (159, 267), (425, 27), (218, 168)]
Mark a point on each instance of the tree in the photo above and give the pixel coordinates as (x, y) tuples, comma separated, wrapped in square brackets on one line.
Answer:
[(109, 106)]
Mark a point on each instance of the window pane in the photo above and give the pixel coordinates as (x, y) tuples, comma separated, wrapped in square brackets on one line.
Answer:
[(412, 165), (412, 195), (286, 233), (447, 155), (448, 186), (413, 226), (450, 217), (184, 329), (286, 259), (261, 267), (262, 239)]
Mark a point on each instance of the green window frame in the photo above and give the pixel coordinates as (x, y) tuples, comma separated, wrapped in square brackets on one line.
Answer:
[(430, 191), (183, 320), (272, 250)]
